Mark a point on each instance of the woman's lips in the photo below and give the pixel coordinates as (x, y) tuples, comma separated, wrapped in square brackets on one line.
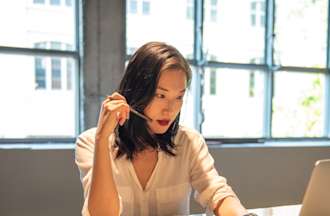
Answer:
[(163, 122)]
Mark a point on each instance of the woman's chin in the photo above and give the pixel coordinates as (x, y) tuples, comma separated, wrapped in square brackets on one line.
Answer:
[(159, 130)]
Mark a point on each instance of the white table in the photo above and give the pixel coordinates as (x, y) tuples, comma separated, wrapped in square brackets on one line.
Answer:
[(292, 210)]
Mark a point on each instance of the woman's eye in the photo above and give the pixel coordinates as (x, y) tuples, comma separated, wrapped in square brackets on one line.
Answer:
[(160, 96), (180, 97)]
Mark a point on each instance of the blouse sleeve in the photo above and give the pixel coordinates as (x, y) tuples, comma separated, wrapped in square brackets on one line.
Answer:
[(84, 154), (84, 158), (209, 185)]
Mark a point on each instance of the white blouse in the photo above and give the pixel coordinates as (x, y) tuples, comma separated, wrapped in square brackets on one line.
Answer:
[(168, 190)]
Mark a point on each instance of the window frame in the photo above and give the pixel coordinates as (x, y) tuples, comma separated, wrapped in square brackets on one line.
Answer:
[(269, 68), (76, 55)]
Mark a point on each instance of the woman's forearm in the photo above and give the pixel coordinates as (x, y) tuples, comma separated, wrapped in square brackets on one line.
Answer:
[(103, 195), (230, 206)]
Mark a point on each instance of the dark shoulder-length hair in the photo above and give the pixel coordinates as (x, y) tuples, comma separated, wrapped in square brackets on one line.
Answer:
[(138, 86)]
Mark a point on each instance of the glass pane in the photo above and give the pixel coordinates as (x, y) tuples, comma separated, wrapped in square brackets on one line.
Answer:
[(68, 3), (56, 73), (132, 4), (187, 115), (233, 103), (146, 7), (39, 1), (40, 73), (301, 33), (29, 23), (190, 9), (232, 33), (163, 22), (55, 2), (30, 107), (298, 111)]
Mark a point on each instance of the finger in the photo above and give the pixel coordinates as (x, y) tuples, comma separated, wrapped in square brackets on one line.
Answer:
[(123, 116), (104, 103), (121, 121), (118, 112), (105, 114), (127, 113), (112, 106), (117, 116), (115, 106), (116, 96), (108, 103), (120, 117)]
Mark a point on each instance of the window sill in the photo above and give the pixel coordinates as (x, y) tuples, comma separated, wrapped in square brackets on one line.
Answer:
[(46, 146), (280, 144)]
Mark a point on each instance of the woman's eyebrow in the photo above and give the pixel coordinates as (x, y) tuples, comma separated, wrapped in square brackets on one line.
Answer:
[(164, 89)]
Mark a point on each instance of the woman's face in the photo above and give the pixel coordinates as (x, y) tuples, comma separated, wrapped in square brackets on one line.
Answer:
[(167, 101)]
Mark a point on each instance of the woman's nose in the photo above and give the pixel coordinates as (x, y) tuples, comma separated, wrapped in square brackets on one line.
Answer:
[(168, 106)]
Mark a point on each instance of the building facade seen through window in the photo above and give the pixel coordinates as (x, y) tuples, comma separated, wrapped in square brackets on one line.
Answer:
[(53, 73), (67, 3), (258, 13)]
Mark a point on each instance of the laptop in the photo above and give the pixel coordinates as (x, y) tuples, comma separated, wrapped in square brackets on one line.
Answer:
[(316, 200)]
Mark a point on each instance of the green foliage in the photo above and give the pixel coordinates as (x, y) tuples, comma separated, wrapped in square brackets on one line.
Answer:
[(312, 104)]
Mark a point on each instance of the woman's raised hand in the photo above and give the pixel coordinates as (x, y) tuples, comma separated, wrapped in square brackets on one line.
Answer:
[(114, 110)]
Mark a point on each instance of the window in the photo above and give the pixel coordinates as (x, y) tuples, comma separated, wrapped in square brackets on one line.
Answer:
[(213, 15), (253, 13), (132, 5), (40, 45), (44, 70), (213, 78), (190, 10), (252, 84), (252, 77), (298, 111), (247, 84), (213, 82), (300, 30), (138, 7), (55, 68), (69, 74), (40, 73), (162, 24), (258, 13), (68, 3), (231, 39), (300, 46), (231, 112), (55, 2), (68, 47), (56, 73), (213, 10), (55, 45), (39, 1), (146, 7)]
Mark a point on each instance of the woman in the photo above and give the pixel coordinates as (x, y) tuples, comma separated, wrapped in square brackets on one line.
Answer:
[(133, 166)]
